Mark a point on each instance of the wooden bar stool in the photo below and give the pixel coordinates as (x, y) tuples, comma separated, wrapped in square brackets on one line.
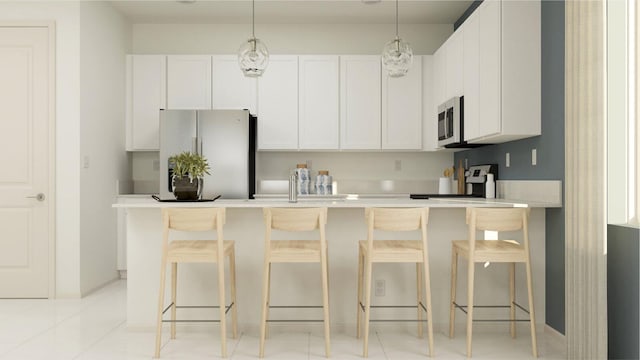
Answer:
[(196, 251), (394, 251), (482, 251), (295, 251)]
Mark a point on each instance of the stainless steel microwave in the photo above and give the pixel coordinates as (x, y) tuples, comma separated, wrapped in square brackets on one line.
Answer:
[(450, 120)]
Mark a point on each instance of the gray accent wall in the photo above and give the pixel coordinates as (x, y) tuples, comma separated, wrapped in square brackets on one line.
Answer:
[(623, 292), (550, 154)]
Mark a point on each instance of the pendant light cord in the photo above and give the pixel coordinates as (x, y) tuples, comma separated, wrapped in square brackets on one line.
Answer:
[(396, 19), (253, 18)]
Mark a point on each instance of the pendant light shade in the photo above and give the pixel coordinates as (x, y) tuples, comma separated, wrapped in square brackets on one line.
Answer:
[(253, 55), (397, 55)]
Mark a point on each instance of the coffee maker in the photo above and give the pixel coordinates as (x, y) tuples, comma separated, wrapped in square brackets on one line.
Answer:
[(476, 179)]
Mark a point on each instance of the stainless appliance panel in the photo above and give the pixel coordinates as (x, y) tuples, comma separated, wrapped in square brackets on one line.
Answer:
[(177, 134), (223, 138)]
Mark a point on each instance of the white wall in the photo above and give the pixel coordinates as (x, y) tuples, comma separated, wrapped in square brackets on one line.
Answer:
[(104, 42), (285, 38), (67, 127)]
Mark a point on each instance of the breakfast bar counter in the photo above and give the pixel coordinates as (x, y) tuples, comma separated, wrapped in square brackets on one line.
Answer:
[(345, 226)]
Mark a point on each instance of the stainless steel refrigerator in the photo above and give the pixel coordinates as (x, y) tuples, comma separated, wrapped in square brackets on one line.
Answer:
[(227, 138)]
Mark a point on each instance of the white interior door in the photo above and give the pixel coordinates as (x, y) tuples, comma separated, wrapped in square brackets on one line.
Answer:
[(24, 144)]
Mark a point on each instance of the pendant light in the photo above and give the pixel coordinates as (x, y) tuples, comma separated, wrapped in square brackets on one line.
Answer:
[(397, 55), (253, 56)]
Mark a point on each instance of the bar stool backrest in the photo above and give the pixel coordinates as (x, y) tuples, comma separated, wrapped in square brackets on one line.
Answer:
[(397, 219), (194, 219), (497, 219), (295, 219)]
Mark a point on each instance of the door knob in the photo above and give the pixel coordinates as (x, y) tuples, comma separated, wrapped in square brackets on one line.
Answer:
[(39, 197)]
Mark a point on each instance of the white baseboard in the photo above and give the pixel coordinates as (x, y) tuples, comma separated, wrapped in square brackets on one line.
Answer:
[(555, 335)]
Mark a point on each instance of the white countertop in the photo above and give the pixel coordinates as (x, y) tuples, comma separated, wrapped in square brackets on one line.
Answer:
[(402, 201)]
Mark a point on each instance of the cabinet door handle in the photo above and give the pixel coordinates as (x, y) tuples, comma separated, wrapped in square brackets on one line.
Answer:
[(39, 197)]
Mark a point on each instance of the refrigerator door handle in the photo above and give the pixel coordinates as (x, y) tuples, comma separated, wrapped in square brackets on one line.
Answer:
[(194, 145)]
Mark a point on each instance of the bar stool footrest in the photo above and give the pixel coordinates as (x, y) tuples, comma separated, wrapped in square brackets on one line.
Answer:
[(227, 308), (463, 308)]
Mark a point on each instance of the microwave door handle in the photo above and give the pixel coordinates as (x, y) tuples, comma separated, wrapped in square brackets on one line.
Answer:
[(446, 125)]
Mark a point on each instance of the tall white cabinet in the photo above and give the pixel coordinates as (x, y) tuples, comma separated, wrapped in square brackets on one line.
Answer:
[(146, 95), (189, 82), (502, 71), (360, 111), (402, 109), (278, 104), (319, 101)]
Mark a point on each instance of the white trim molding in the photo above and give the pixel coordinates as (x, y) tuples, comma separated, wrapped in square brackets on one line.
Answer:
[(586, 182)]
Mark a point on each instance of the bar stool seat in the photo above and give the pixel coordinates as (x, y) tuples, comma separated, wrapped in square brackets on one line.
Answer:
[(295, 251), (394, 251), (178, 251), (499, 251)]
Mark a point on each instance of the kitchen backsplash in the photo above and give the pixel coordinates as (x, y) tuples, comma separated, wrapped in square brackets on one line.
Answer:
[(362, 172)]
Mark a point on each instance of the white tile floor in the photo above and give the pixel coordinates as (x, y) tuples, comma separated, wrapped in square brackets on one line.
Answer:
[(94, 328)]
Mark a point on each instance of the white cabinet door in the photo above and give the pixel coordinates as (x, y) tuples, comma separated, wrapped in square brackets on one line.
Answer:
[(230, 88), (319, 102), (402, 109), (490, 60), (278, 104), (471, 77), (146, 95), (360, 102), (454, 65), (189, 82), (439, 69), (429, 105)]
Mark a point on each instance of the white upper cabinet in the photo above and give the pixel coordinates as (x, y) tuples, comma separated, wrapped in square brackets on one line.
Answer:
[(439, 70), (278, 104), (360, 96), (454, 58), (402, 109), (319, 100), (230, 88), (429, 105), (146, 95), (506, 105), (471, 71), (189, 82)]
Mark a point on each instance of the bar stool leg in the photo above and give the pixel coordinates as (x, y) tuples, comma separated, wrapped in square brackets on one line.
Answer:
[(367, 304), (232, 278), (163, 275), (419, 291), (470, 280), (427, 288), (512, 297), (265, 297), (222, 301), (266, 332), (174, 287), (325, 302), (359, 309), (454, 278), (532, 315)]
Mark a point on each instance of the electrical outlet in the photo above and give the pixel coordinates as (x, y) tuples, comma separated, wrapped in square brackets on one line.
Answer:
[(380, 288), (398, 165), (534, 157), (507, 160)]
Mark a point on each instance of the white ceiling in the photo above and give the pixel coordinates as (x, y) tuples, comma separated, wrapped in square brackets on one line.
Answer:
[(292, 11)]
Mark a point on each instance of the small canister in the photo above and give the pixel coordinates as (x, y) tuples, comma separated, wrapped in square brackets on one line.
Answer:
[(324, 183), (303, 179)]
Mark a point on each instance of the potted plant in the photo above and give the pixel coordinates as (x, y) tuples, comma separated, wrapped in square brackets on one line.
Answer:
[(188, 173)]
